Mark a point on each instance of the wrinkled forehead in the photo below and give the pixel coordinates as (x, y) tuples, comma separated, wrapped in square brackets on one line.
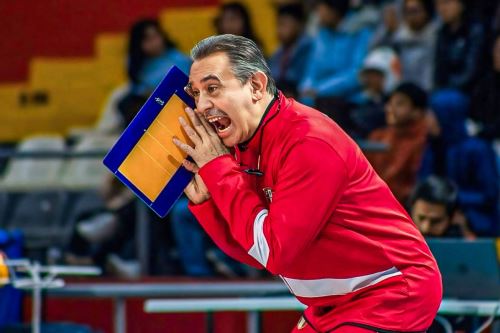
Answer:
[(213, 67), (429, 209)]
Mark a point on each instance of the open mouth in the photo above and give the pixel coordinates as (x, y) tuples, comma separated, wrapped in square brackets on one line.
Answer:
[(221, 123)]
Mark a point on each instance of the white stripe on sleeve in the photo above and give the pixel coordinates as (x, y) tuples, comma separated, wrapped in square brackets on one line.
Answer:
[(260, 248)]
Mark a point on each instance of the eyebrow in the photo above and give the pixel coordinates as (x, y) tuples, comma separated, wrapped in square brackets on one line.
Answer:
[(206, 78), (210, 77)]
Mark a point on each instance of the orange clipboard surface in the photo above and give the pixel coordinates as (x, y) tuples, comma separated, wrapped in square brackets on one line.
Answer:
[(144, 158)]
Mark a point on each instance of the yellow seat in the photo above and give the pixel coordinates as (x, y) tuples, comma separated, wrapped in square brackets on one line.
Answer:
[(263, 17), (186, 26), (77, 87), (111, 52)]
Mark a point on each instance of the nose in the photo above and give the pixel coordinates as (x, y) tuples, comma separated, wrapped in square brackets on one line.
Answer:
[(388, 108), (203, 104), (424, 227)]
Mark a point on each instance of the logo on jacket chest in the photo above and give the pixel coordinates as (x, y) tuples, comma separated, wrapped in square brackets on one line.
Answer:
[(268, 193)]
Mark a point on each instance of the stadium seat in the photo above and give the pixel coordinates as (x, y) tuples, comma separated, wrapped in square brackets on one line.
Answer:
[(111, 51), (79, 204), (110, 121), (186, 26), (84, 202), (22, 117), (263, 14), (28, 174), (38, 215), (74, 89), (3, 209), (87, 173)]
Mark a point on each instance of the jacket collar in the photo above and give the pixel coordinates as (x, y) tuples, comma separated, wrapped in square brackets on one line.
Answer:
[(254, 142)]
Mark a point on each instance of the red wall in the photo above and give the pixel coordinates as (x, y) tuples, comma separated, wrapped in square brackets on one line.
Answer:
[(66, 28)]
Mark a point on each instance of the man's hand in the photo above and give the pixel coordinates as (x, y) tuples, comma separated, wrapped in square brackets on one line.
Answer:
[(207, 144), (196, 191)]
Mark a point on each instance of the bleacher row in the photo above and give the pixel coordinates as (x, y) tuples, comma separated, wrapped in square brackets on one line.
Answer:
[(44, 196), (73, 90)]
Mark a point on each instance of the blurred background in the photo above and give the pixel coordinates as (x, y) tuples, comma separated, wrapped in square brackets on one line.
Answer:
[(419, 78)]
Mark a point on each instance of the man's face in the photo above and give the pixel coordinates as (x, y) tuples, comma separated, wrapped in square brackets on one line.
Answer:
[(399, 110), (449, 10), (152, 43), (373, 81), (328, 17), (415, 14), (431, 218), (231, 22), (221, 98), (390, 18), (288, 29)]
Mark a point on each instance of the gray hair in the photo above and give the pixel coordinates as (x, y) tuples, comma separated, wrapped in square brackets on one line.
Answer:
[(244, 55)]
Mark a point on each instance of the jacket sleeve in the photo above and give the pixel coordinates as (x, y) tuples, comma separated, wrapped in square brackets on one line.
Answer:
[(310, 181), (212, 221)]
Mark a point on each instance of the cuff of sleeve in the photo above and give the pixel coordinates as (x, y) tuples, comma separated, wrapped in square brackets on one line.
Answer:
[(202, 207), (215, 170)]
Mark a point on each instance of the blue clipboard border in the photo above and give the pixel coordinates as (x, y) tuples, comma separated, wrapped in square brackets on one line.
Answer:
[(173, 83)]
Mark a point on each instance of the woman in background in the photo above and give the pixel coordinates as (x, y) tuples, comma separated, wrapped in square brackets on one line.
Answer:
[(150, 56), (234, 18)]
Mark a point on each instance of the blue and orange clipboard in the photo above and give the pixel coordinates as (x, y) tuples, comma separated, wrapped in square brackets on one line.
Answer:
[(144, 157)]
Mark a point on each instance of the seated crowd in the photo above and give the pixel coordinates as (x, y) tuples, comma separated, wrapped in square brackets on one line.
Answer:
[(420, 76)]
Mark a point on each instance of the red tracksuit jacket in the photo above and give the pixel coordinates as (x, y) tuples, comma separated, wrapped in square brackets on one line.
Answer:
[(324, 221)]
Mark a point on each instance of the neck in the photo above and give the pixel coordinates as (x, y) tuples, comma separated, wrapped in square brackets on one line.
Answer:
[(418, 28), (289, 44), (260, 109), (410, 126), (455, 24)]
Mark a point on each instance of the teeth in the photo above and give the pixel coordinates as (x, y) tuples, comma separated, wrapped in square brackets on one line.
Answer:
[(214, 119)]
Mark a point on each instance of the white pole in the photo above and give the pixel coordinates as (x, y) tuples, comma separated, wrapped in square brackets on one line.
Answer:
[(36, 298)]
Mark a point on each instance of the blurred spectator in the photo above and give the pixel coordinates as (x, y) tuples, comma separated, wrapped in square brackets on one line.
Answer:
[(469, 162), (234, 18), (460, 47), (198, 255), (289, 61), (106, 236), (406, 135), (362, 14), (415, 42), (485, 108), (334, 76), (380, 74), (484, 11), (106, 232), (496, 19), (433, 205), (384, 34), (150, 55), (190, 239)]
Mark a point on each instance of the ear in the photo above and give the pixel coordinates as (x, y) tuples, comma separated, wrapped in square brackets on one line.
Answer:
[(258, 83)]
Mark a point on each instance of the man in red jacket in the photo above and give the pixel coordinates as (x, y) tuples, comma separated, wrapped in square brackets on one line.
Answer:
[(294, 195)]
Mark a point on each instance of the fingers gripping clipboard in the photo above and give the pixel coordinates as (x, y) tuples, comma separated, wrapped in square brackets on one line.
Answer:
[(144, 157)]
